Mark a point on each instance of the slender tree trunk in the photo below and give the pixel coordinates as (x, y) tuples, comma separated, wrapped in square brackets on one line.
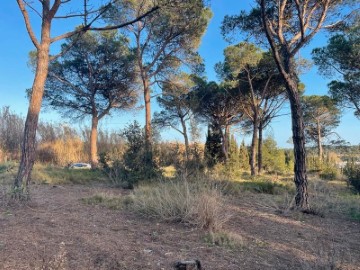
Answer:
[(260, 141), (29, 140), (186, 139), (286, 67), (320, 149), (93, 142), (224, 143), (148, 137), (253, 147), (227, 136), (300, 178)]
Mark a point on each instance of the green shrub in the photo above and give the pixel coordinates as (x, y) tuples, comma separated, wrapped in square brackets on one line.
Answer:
[(108, 200), (329, 173), (256, 186), (138, 162), (8, 167), (122, 177), (352, 172)]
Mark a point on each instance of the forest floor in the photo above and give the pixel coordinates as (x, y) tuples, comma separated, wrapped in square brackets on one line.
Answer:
[(57, 230)]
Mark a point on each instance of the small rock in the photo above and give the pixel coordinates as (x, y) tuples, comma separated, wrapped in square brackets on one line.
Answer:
[(188, 265)]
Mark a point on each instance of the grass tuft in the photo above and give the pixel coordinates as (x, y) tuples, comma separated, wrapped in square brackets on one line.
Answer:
[(197, 204), (107, 200), (224, 239)]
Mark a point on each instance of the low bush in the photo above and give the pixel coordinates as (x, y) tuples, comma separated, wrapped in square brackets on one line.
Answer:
[(224, 239), (255, 186), (104, 199), (329, 173), (7, 172), (122, 177), (196, 204), (352, 172)]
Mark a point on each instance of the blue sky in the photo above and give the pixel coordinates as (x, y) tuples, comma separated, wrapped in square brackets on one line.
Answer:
[(16, 77)]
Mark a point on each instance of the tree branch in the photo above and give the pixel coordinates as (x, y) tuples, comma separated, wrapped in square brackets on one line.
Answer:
[(28, 24)]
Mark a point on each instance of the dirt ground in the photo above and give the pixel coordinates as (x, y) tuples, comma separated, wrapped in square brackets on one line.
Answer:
[(56, 230)]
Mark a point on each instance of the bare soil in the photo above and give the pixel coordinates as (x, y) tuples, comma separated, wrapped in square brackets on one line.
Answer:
[(56, 230)]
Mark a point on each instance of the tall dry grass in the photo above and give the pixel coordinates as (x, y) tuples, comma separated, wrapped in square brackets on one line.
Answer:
[(62, 151), (194, 203)]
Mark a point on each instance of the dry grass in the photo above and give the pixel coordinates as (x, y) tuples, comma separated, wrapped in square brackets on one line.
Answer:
[(197, 204), (58, 262), (334, 198), (107, 200), (225, 239), (100, 238), (326, 198)]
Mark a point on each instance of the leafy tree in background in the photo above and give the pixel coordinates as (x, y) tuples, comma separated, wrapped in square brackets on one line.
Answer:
[(321, 116), (274, 158), (219, 106), (255, 75), (234, 155), (341, 58), (94, 77), (11, 127), (48, 12), (163, 41), (136, 167), (213, 152), (244, 156), (288, 26), (175, 106)]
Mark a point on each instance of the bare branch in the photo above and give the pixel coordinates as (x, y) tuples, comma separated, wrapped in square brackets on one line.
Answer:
[(126, 23), (55, 8), (28, 24), (317, 28), (33, 9), (106, 28), (281, 22), (54, 57)]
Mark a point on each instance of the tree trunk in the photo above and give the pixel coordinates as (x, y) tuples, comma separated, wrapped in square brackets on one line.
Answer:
[(286, 68), (320, 149), (186, 139), (253, 147), (260, 141), (300, 178), (224, 143), (227, 136), (28, 148), (148, 137), (93, 142)]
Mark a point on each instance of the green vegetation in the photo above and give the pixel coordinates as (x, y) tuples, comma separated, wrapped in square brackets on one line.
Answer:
[(107, 200), (46, 174), (352, 172)]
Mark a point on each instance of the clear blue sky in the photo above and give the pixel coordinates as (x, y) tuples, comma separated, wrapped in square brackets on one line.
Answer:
[(16, 77)]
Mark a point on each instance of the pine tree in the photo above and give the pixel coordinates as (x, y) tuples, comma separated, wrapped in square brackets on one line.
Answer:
[(234, 158), (244, 156), (213, 151)]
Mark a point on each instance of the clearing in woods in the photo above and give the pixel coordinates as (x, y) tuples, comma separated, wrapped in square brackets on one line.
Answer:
[(57, 230)]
